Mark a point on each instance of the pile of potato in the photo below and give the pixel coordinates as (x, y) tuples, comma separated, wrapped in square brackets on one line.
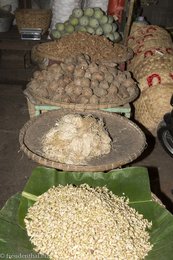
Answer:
[(81, 81)]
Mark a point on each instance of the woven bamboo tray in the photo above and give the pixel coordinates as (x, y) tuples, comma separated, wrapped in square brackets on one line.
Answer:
[(152, 105), (41, 100), (128, 141), (33, 18), (37, 109), (47, 53)]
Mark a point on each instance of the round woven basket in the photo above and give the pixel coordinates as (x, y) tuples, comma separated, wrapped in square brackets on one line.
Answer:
[(155, 43), (56, 51), (153, 79), (153, 64), (148, 38), (73, 106), (143, 56), (138, 31), (154, 70), (41, 61), (128, 141), (151, 106), (33, 18), (133, 41)]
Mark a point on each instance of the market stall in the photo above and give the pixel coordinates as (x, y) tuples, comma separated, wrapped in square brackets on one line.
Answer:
[(85, 201)]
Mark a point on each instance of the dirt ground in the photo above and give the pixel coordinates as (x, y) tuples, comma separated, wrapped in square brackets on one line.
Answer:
[(15, 167)]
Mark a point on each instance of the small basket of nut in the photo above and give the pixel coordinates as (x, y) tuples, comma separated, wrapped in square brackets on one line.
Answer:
[(33, 18)]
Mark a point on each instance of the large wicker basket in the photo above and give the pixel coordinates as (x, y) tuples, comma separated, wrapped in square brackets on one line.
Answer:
[(33, 18), (143, 29), (152, 105), (148, 39), (162, 77), (47, 53), (137, 29), (155, 43), (80, 106), (143, 56), (154, 70), (153, 64)]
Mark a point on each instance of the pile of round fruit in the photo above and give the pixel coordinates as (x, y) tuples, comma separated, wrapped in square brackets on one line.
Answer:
[(79, 80), (91, 20)]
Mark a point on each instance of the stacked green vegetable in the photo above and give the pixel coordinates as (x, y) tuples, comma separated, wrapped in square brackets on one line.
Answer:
[(90, 20)]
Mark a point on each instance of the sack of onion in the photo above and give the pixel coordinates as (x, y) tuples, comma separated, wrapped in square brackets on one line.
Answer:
[(69, 222), (79, 80), (75, 139)]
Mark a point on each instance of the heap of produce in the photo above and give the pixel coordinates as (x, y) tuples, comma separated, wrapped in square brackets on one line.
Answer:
[(97, 47), (79, 80), (91, 20), (75, 139), (69, 222)]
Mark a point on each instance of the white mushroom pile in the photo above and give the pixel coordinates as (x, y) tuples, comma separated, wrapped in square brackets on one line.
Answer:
[(75, 139), (79, 80), (69, 222)]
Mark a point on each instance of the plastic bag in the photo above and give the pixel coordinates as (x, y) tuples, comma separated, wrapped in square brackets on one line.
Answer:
[(13, 3), (103, 4), (62, 9)]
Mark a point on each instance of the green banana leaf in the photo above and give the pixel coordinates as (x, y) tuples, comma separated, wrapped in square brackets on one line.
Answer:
[(132, 182), (14, 242)]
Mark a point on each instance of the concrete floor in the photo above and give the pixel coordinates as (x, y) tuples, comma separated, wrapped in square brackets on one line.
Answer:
[(15, 167)]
